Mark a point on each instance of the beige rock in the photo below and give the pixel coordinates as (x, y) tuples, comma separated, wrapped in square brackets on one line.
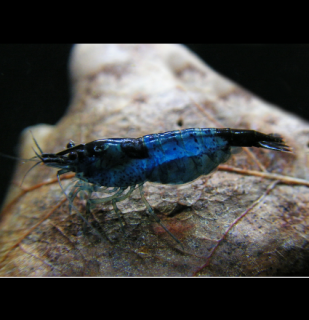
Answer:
[(133, 90)]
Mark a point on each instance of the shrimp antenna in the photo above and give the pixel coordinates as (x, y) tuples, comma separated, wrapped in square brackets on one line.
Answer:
[(36, 143), (72, 205), (26, 160), (28, 172), (16, 158), (38, 155)]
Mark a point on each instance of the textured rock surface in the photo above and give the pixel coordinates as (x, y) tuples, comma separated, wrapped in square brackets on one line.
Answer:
[(133, 90)]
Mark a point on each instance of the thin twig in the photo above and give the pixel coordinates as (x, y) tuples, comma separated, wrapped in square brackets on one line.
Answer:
[(272, 176), (33, 228), (255, 203), (7, 208)]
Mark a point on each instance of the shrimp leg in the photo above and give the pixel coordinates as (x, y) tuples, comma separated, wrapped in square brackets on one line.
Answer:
[(83, 186), (117, 197), (121, 198), (152, 214)]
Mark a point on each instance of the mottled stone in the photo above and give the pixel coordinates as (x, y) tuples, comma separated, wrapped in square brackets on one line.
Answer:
[(134, 90)]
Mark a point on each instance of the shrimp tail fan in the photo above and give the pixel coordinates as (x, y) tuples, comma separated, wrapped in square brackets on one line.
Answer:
[(275, 142)]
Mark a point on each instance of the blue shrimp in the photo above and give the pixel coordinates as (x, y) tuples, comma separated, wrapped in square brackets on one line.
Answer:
[(174, 157)]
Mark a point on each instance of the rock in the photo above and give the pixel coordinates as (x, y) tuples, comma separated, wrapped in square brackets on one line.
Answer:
[(260, 219)]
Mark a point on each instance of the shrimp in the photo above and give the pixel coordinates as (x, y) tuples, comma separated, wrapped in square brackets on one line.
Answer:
[(174, 157)]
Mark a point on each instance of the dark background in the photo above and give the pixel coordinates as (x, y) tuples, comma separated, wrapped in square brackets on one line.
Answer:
[(34, 86)]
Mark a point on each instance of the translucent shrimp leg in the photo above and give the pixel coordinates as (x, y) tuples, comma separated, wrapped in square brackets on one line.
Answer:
[(117, 197), (79, 186), (152, 214), (83, 186), (72, 205), (91, 202), (121, 198)]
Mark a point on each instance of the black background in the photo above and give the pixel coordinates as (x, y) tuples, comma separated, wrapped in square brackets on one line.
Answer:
[(34, 86)]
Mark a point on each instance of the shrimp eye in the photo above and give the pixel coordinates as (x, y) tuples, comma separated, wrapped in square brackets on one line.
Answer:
[(72, 155), (71, 144), (97, 149)]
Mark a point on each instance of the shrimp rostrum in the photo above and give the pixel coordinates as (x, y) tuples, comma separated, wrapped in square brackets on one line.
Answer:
[(174, 157)]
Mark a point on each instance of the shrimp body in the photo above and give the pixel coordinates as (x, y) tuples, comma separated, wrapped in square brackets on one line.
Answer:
[(178, 157), (174, 157)]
